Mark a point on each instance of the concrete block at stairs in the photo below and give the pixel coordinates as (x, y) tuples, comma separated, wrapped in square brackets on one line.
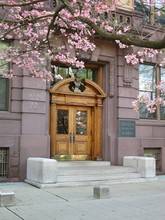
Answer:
[(101, 192), (41, 170), (144, 165), (7, 199), (130, 161), (147, 167)]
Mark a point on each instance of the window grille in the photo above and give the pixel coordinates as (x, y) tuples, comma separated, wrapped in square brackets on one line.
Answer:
[(4, 155)]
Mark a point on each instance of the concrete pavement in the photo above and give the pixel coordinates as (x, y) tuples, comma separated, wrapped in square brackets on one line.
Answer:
[(135, 201)]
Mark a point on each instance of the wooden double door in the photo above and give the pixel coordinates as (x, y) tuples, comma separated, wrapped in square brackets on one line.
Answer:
[(73, 132), (76, 121)]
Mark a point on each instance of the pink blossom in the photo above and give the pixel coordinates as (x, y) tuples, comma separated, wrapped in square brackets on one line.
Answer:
[(135, 105), (127, 28), (120, 44), (132, 59), (8, 76), (58, 77)]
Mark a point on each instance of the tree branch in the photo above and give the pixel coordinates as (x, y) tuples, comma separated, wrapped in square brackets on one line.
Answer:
[(24, 23), (53, 19), (123, 38)]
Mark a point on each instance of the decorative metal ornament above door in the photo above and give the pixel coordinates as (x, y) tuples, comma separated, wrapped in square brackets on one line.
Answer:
[(78, 85)]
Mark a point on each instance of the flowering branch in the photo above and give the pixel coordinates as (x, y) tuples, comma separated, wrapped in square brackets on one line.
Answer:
[(35, 23)]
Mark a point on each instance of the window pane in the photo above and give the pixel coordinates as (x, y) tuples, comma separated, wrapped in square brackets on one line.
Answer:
[(162, 108), (162, 112), (81, 122), (4, 83), (63, 72), (146, 78), (82, 73), (4, 94), (162, 74), (90, 74), (4, 66), (62, 122), (145, 114), (147, 86)]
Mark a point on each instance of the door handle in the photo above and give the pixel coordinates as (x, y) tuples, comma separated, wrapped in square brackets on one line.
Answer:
[(72, 137)]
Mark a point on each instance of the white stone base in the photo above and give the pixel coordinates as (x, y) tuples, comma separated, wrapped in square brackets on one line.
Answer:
[(41, 170), (7, 199), (144, 165)]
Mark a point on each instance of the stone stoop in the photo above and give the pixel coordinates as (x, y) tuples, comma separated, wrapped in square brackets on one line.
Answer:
[(84, 173), (44, 173)]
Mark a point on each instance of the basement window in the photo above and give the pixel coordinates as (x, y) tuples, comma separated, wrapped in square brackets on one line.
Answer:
[(4, 162)]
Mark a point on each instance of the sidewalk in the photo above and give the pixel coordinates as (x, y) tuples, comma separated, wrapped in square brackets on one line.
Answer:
[(136, 201)]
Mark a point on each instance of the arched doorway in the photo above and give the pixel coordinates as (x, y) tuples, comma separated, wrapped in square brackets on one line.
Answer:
[(76, 121)]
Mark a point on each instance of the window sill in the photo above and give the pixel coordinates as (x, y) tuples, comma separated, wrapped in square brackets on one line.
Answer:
[(9, 116), (149, 122)]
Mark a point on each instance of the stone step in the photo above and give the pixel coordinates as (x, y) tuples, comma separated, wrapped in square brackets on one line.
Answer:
[(95, 183), (83, 164), (86, 172), (94, 170), (96, 177)]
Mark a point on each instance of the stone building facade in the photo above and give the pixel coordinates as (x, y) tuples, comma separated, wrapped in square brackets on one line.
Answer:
[(29, 124)]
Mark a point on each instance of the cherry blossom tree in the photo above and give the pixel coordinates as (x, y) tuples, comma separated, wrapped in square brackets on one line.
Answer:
[(29, 26)]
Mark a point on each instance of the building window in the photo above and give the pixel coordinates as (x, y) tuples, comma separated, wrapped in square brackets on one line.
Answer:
[(149, 77), (150, 12), (4, 82), (4, 94), (4, 162)]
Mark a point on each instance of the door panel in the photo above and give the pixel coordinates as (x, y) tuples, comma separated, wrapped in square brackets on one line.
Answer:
[(62, 121), (73, 132), (62, 131), (82, 131)]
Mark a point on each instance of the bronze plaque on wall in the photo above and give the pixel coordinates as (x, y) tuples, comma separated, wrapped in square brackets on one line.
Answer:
[(127, 128)]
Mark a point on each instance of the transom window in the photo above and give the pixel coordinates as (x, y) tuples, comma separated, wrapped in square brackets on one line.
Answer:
[(149, 77), (65, 72)]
